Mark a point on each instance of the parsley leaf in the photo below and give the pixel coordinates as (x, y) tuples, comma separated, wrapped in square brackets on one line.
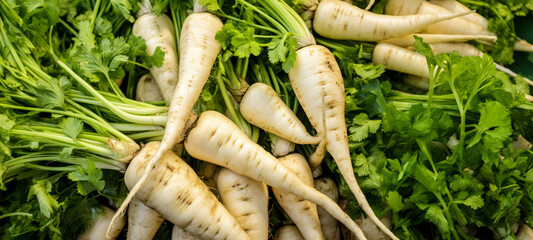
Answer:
[(395, 201), (211, 5), (41, 190), (362, 126), (72, 127), (283, 50), (123, 7), (238, 40), (88, 178)]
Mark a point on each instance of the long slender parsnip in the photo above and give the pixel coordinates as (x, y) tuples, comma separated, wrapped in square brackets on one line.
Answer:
[(198, 52), (216, 139), (317, 82), (455, 6), (340, 20), (175, 192)]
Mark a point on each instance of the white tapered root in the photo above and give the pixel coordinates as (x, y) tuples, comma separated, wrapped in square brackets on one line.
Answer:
[(302, 212), (190, 206), (340, 20), (316, 75), (330, 226), (247, 200), (198, 52), (262, 107), (158, 31), (218, 140), (143, 222)]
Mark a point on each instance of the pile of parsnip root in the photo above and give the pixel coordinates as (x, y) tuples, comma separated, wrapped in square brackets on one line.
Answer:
[(239, 96)]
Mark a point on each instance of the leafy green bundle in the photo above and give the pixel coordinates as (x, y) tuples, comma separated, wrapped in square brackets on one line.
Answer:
[(428, 182)]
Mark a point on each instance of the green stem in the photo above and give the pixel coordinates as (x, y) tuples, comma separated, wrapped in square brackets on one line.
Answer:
[(448, 216), (159, 120), (102, 123), (236, 117), (16, 214), (95, 14), (257, 26), (138, 64), (68, 27), (157, 134)]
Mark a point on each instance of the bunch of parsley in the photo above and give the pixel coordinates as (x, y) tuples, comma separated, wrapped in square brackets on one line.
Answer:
[(56, 168), (443, 165)]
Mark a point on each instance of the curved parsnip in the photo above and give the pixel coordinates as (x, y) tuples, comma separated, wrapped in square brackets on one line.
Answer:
[(330, 226), (404, 7), (340, 20), (216, 139), (288, 232), (148, 90), (180, 234), (316, 75), (158, 31), (97, 231), (143, 222), (261, 106), (459, 25), (468, 26), (175, 191), (302, 212), (247, 200), (198, 52)]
